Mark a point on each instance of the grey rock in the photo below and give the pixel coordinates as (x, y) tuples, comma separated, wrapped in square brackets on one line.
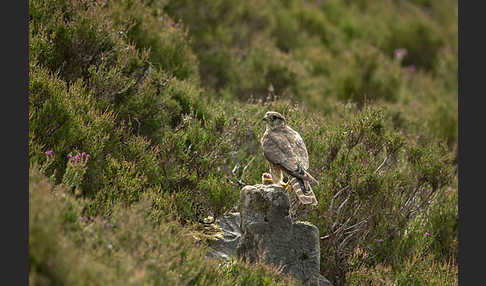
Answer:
[(319, 280), (268, 233), (225, 246), (264, 230)]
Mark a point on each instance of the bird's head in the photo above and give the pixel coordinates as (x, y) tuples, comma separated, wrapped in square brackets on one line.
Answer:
[(274, 119)]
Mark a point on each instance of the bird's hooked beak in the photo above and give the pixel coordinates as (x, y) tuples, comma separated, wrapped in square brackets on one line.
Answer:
[(264, 118)]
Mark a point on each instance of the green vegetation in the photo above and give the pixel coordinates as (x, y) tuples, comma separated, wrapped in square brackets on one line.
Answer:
[(167, 97), (123, 249)]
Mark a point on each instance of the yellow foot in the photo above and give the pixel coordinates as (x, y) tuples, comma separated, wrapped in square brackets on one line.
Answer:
[(287, 186)]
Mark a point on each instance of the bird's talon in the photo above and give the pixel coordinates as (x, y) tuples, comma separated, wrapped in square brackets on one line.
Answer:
[(287, 186)]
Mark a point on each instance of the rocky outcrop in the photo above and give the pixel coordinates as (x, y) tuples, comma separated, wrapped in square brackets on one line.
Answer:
[(263, 230), (225, 244), (268, 232)]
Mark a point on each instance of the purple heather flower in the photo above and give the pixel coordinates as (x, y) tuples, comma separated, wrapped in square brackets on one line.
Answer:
[(50, 154), (411, 68), (427, 234), (69, 156), (400, 53), (379, 240), (88, 156), (84, 155)]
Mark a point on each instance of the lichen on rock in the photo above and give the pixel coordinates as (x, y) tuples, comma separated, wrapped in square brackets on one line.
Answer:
[(264, 231)]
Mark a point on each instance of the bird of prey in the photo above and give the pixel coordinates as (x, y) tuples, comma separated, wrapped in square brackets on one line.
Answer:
[(284, 148)]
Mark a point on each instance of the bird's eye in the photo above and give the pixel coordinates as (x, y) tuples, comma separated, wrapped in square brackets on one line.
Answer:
[(274, 117)]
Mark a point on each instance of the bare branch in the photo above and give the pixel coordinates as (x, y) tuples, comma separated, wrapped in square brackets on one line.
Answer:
[(381, 165), (244, 169)]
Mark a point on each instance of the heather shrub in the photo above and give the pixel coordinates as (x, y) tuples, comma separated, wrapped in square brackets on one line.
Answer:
[(341, 51), (417, 270), (73, 122), (244, 59), (62, 119), (401, 26), (75, 171), (88, 115), (441, 222), (365, 166), (366, 77), (117, 73), (421, 41), (265, 68), (152, 29), (443, 121), (71, 36), (125, 248), (216, 37)]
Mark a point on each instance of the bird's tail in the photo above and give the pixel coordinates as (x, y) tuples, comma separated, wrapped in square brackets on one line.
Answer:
[(308, 177), (303, 191)]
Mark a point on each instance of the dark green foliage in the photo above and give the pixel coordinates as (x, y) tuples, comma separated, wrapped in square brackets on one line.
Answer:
[(443, 224), (367, 167), (166, 39), (124, 163), (312, 51), (242, 59), (371, 78), (66, 248), (422, 42)]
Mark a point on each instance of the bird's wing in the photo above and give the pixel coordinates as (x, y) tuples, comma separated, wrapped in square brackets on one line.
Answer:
[(277, 150), (298, 146), (280, 149)]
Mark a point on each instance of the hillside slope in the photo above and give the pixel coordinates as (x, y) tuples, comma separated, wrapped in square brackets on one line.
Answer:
[(166, 98)]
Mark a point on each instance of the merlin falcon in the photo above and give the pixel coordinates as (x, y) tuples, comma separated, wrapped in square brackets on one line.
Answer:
[(284, 148)]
